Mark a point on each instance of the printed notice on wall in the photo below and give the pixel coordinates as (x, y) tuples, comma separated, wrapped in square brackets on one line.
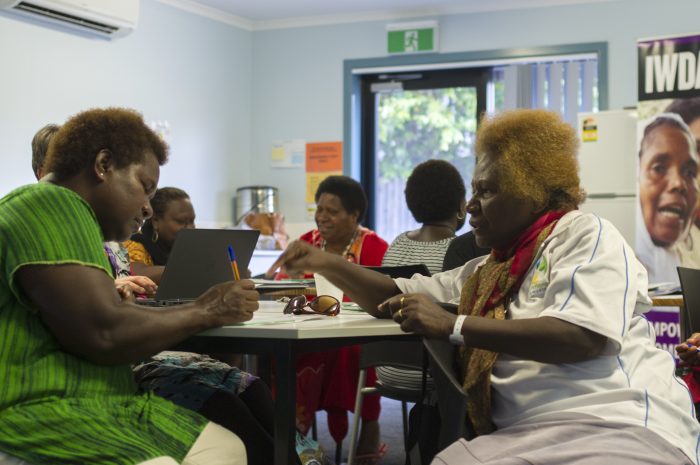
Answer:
[(590, 130), (668, 133), (323, 159), (288, 154), (668, 231)]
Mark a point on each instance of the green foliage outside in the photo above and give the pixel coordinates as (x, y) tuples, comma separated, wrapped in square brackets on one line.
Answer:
[(428, 124)]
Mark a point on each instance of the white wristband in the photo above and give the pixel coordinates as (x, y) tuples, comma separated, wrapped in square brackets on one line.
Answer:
[(456, 337)]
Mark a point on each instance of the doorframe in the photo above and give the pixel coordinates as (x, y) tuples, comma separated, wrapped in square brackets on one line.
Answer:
[(353, 70), (472, 77)]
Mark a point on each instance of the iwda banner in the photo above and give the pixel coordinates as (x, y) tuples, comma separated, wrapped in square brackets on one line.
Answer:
[(668, 217)]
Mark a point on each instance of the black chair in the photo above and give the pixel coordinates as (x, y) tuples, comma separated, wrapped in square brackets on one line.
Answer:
[(398, 354), (690, 312), (452, 399)]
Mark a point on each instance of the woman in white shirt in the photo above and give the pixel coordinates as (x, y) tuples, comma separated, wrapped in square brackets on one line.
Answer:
[(558, 360)]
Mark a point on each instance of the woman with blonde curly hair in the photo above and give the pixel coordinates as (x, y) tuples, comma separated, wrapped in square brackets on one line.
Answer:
[(558, 361)]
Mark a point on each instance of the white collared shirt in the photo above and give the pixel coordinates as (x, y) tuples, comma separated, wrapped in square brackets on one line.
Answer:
[(586, 274)]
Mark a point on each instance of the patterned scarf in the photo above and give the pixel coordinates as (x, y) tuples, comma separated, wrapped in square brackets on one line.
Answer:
[(487, 293)]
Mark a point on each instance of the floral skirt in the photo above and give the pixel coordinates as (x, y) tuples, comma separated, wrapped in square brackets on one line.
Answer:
[(189, 379)]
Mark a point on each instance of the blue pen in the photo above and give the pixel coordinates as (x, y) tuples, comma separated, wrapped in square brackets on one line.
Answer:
[(234, 264)]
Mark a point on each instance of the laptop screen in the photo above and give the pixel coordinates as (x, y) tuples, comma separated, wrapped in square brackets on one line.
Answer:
[(200, 259)]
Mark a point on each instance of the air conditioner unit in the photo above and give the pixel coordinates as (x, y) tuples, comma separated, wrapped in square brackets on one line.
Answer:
[(106, 18)]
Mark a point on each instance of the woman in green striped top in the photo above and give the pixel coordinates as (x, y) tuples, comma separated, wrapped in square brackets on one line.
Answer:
[(67, 337)]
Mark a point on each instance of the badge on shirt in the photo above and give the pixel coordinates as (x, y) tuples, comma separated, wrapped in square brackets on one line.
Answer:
[(540, 280)]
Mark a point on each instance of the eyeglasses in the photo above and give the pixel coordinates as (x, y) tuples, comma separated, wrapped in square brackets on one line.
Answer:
[(322, 304)]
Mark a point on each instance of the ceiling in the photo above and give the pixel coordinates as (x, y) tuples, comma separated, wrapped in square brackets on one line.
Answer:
[(268, 14)]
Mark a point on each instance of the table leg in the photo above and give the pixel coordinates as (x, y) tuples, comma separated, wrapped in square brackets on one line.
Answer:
[(285, 404)]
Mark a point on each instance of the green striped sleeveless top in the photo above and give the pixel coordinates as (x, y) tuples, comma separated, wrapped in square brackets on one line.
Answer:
[(57, 408)]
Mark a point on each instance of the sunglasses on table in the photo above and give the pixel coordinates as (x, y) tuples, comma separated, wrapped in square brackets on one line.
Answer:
[(322, 305)]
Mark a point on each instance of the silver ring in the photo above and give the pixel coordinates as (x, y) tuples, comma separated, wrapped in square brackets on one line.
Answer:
[(401, 313)]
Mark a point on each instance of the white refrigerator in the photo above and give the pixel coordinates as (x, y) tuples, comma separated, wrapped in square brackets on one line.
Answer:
[(608, 163)]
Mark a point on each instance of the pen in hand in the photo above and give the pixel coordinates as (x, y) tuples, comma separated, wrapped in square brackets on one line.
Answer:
[(234, 264)]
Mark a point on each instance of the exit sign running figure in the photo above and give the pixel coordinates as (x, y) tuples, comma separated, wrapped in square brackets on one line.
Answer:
[(420, 37)]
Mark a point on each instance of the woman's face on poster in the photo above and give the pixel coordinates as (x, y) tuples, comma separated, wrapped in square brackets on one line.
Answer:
[(668, 185)]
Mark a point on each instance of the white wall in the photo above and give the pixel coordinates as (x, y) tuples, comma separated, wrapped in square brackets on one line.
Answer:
[(191, 71), (229, 93), (297, 86)]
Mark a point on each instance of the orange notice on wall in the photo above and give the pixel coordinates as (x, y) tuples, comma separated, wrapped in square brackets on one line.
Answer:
[(324, 156)]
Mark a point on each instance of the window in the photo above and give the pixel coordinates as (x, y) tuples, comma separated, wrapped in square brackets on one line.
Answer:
[(399, 114), (412, 118), (567, 85)]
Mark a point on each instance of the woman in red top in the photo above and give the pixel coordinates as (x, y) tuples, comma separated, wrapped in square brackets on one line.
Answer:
[(328, 380)]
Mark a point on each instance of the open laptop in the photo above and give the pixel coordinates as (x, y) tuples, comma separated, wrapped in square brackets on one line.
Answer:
[(199, 259)]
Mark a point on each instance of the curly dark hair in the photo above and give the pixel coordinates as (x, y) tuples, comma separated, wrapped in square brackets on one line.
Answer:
[(40, 145), (687, 108), (163, 196), (159, 203), (349, 191), (119, 130), (434, 191), (535, 151)]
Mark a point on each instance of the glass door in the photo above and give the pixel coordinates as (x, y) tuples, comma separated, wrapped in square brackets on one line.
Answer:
[(410, 118)]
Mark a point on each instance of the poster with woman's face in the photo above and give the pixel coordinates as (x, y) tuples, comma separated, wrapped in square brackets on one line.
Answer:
[(668, 229)]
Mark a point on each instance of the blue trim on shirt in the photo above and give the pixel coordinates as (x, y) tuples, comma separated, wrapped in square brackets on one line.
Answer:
[(571, 289), (597, 241), (646, 410), (619, 361), (595, 249)]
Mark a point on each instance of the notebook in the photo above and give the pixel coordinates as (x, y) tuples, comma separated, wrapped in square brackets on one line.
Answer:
[(199, 259)]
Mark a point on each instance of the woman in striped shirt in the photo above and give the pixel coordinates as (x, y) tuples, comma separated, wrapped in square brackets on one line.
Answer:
[(435, 195)]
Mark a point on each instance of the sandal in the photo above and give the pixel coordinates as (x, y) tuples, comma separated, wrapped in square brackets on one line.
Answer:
[(372, 458)]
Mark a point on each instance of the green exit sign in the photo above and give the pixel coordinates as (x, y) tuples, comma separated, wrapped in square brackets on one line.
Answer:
[(418, 37)]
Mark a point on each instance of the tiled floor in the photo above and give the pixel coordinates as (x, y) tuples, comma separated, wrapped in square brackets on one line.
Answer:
[(391, 433)]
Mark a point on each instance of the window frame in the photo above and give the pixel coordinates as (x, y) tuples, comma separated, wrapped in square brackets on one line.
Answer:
[(353, 69), (476, 77)]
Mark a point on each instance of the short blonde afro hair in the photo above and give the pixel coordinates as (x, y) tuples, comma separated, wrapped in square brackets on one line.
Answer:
[(535, 152)]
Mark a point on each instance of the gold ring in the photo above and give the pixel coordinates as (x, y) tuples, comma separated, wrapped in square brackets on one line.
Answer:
[(401, 301), (401, 313)]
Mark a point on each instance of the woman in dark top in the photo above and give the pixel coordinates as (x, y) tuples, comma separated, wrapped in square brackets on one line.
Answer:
[(462, 249), (150, 247)]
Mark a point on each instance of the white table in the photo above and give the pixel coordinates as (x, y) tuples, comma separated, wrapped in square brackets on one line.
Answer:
[(283, 337)]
